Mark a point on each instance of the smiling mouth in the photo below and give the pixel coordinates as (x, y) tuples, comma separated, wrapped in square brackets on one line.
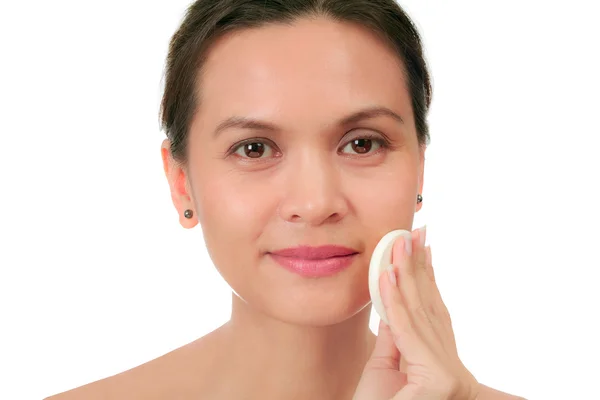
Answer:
[(315, 253), (315, 261)]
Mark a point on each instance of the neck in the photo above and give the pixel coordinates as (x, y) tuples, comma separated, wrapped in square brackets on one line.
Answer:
[(280, 360)]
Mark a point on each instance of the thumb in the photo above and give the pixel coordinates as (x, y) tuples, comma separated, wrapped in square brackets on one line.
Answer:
[(385, 353)]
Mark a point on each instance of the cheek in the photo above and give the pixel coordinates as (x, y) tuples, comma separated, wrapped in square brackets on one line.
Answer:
[(385, 200), (232, 211)]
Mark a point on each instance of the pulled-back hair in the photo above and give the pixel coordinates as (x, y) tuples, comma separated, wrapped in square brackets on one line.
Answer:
[(207, 20)]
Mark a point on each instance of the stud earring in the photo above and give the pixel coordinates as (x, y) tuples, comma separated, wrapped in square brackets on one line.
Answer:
[(188, 214), (419, 198)]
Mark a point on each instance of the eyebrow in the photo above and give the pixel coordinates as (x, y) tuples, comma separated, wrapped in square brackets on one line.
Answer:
[(356, 117)]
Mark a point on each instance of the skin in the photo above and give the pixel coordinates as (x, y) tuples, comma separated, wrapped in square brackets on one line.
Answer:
[(288, 337)]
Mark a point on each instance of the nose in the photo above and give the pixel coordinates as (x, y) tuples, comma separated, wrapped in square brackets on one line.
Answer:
[(314, 194)]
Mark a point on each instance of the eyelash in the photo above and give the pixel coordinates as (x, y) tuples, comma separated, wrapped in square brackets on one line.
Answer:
[(383, 143)]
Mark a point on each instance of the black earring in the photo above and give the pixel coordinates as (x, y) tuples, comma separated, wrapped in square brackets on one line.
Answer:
[(188, 214), (419, 199)]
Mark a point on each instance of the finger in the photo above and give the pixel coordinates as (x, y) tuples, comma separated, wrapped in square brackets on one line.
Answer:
[(406, 337), (439, 309), (441, 317), (429, 264), (430, 296), (441, 306), (431, 300), (421, 267), (411, 281), (409, 262), (425, 278)]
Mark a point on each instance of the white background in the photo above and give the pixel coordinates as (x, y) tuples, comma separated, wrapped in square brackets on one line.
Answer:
[(97, 276)]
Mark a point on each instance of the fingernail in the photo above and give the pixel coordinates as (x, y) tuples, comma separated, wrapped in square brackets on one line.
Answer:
[(422, 235), (392, 275)]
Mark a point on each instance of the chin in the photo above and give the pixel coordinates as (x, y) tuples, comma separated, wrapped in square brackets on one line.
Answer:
[(322, 317), (298, 300), (316, 307)]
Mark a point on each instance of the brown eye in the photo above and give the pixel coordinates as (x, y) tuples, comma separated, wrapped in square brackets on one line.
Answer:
[(254, 150), (361, 146)]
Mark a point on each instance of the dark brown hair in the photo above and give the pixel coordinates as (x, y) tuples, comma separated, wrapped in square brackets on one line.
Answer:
[(206, 20)]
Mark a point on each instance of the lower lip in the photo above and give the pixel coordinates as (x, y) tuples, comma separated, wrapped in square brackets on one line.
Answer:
[(315, 268)]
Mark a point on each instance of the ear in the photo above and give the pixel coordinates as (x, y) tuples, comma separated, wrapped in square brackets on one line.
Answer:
[(178, 186), (422, 149)]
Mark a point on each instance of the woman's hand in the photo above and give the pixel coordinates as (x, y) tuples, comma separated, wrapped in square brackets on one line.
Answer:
[(415, 357)]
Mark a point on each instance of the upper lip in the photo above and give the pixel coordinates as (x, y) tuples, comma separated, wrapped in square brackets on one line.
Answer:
[(315, 253)]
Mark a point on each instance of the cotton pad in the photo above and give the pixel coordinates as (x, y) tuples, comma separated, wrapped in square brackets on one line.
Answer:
[(380, 260)]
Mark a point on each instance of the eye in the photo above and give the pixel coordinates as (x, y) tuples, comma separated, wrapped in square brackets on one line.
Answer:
[(254, 149), (363, 145)]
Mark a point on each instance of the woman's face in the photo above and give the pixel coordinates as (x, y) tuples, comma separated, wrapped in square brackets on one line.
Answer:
[(304, 136)]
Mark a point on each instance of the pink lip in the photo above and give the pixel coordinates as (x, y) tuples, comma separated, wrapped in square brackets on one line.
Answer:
[(315, 261)]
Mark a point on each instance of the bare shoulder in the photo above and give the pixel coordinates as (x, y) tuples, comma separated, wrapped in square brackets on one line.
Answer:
[(182, 373)]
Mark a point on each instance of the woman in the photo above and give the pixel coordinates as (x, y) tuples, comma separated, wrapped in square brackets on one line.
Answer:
[(296, 138)]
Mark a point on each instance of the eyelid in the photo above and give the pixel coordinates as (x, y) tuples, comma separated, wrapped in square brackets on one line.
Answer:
[(241, 143), (368, 135)]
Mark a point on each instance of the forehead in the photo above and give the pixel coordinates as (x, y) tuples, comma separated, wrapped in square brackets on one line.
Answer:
[(301, 74)]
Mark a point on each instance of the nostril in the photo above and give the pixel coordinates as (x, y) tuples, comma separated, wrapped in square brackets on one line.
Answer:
[(296, 218), (334, 217)]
